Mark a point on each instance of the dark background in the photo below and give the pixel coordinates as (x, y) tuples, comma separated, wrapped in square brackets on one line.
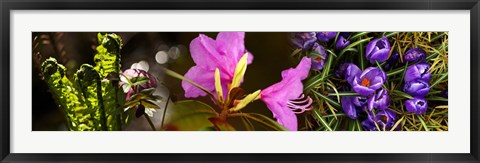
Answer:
[(271, 53)]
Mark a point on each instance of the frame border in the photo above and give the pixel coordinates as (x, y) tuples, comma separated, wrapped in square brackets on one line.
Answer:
[(7, 5)]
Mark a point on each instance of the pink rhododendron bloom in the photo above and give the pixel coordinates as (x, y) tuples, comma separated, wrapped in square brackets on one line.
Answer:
[(286, 97), (209, 54)]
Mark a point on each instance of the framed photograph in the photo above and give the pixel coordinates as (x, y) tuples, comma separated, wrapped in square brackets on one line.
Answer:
[(203, 81)]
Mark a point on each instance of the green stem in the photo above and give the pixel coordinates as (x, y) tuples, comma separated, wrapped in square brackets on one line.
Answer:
[(103, 117), (149, 121), (165, 110)]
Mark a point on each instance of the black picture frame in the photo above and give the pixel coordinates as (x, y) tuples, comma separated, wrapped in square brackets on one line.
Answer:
[(8, 5)]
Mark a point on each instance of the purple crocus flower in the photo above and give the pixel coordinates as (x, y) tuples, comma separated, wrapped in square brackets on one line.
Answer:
[(349, 71), (208, 54), (385, 119), (132, 75), (348, 107), (414, 55), (416, 88), (342, 42), (353, 105), (377, 50), (325, 36), (417, 105), (318, 59), (418, 72), (286, 97), (303, 40), (392, 61), (380, 100), (369, 81)]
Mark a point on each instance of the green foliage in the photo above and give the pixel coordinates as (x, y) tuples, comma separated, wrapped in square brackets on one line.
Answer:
[(92, 100), (79, 116), (190, 115)]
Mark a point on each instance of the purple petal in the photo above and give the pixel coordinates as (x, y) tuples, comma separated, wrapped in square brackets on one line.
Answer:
[(416, 105), (284, 116), (380, 100), (303, 40), (300, 72), (277, 95), (318, 62), (370, 47), (203, 77), (204, 53), (416, 88), (325, 36), (348, 107), (359, 101), (380, 56), (351, 72), (418, 71), (341, 43), (360, 89), (414, 54), (231, 44)]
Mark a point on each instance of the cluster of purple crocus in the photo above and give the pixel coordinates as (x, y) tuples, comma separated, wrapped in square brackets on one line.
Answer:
[(312, 42), (373, 99), (416, 78)]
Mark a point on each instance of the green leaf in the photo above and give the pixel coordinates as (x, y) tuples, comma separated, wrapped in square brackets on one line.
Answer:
[(77, 114), (318, 116), (107, 64), (107, 59), (437, 99), (88, 80), (139, 80), (391, 34), (268, 122), (402, 94), (314, 81), (221, 125), (326, 68), (423, 123), (189, 115), (359, 35), (353, 45), (344, 94), (439, 80), (335, 104), (149, 104)]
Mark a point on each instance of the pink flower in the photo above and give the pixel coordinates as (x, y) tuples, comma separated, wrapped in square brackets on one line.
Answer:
[(209, 54), (286, 98)]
